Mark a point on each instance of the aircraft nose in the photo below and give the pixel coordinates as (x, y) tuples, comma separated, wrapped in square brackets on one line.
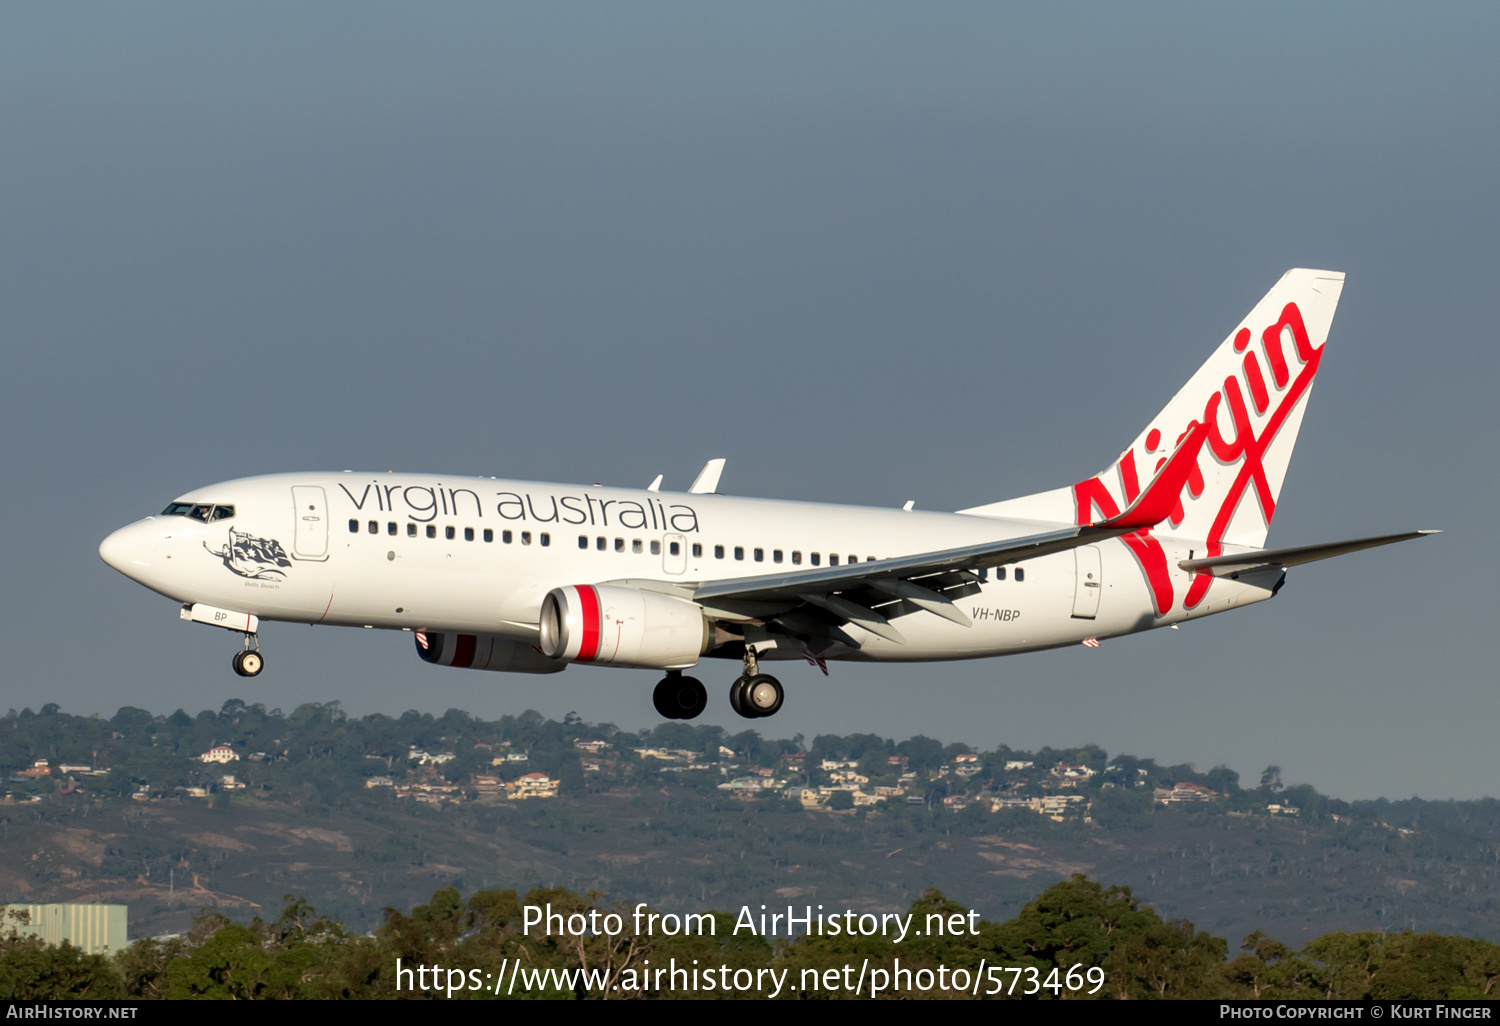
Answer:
[(125, 549)]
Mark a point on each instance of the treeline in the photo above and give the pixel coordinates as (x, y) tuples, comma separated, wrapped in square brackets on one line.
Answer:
[(1075, 925)]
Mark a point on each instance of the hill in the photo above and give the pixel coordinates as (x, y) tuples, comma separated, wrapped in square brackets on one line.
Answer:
[(357, 814)]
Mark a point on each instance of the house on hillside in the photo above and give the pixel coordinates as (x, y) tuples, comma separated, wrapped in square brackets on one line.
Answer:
[(220, 754), (532, 785), (1184, 791)]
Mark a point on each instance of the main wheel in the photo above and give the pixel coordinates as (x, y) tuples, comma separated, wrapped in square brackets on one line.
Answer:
[(248, 663), (680, 698), (763, 694), (737, 698)]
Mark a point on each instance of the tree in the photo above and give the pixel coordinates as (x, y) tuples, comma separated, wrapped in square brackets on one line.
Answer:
[(1167, 960), (33, 970), (1074, 922), (1342, 964)]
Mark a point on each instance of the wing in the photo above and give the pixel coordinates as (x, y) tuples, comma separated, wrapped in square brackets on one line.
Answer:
[(1240, 562), (817, 603)]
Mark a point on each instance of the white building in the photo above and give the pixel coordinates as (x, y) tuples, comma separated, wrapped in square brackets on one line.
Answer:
[(220, 754)]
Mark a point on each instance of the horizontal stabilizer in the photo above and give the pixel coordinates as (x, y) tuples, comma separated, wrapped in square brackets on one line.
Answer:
[(1224, 566)]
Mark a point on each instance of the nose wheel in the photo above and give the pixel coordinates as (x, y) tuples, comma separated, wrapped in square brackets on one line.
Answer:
[(680, 698), (249, 663)]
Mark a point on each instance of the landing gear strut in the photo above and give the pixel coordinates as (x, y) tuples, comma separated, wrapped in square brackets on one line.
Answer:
[(679, 698), (755, 694), (249, 662)]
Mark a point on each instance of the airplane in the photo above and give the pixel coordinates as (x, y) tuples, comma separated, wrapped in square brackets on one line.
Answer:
[(529, 577)]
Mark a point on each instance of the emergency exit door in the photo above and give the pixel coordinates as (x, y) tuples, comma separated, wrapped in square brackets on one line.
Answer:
[(1088, 582)]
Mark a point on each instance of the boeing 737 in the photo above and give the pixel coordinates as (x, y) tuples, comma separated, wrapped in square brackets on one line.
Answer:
[(518, 576)]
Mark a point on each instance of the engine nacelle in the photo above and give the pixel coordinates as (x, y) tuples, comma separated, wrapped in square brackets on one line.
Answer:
[(484, 652), (617, 626)]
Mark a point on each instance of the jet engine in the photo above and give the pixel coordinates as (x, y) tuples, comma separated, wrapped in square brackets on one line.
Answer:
[(618, 626), (484, 652)]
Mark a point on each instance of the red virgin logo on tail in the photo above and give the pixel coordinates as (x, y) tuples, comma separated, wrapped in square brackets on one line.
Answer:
[(1092, 498)]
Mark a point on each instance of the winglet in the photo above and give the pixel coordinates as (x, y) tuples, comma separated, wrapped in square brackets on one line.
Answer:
[(707, 480), (1156, 503)]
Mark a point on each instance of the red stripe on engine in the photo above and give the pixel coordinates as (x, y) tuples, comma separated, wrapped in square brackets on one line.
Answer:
[(463, 651), (588, 611)]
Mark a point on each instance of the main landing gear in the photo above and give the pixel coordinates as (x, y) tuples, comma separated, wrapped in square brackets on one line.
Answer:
[(249, 663), (755, 694), (679, 698), (676, 697)]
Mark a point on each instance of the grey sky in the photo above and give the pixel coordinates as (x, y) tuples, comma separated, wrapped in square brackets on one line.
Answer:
[(868, 252)]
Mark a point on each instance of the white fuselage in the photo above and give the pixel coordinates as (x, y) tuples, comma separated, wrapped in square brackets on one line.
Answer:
[(478, 555)]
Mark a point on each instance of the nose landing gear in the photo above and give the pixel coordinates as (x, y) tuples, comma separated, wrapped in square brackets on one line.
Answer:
[(249, 663), (755, 694), (679, 698)]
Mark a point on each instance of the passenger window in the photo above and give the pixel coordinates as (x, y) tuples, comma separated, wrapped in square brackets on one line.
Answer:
[(506, 537), (697, 549), (999, 573), (637, 547), (411, 530), (718, 552), (374, 527), (391, 529), (601, 543), (796, 557), (619, 544), (833, 559), (1020, 575), (468, 534), (760, 555), (431, 531), (776, 555), (656, 548), (354, 527), (449, 533), (525, 537), (739, 552), (489, 534), (583, 541), (984, 574), (814, 558), (546, 539)]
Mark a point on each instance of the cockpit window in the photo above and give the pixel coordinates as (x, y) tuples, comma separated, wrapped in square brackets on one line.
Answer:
[(200, 511)]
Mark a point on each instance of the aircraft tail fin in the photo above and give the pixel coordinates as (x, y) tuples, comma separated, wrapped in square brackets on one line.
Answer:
[(1251, 393)]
